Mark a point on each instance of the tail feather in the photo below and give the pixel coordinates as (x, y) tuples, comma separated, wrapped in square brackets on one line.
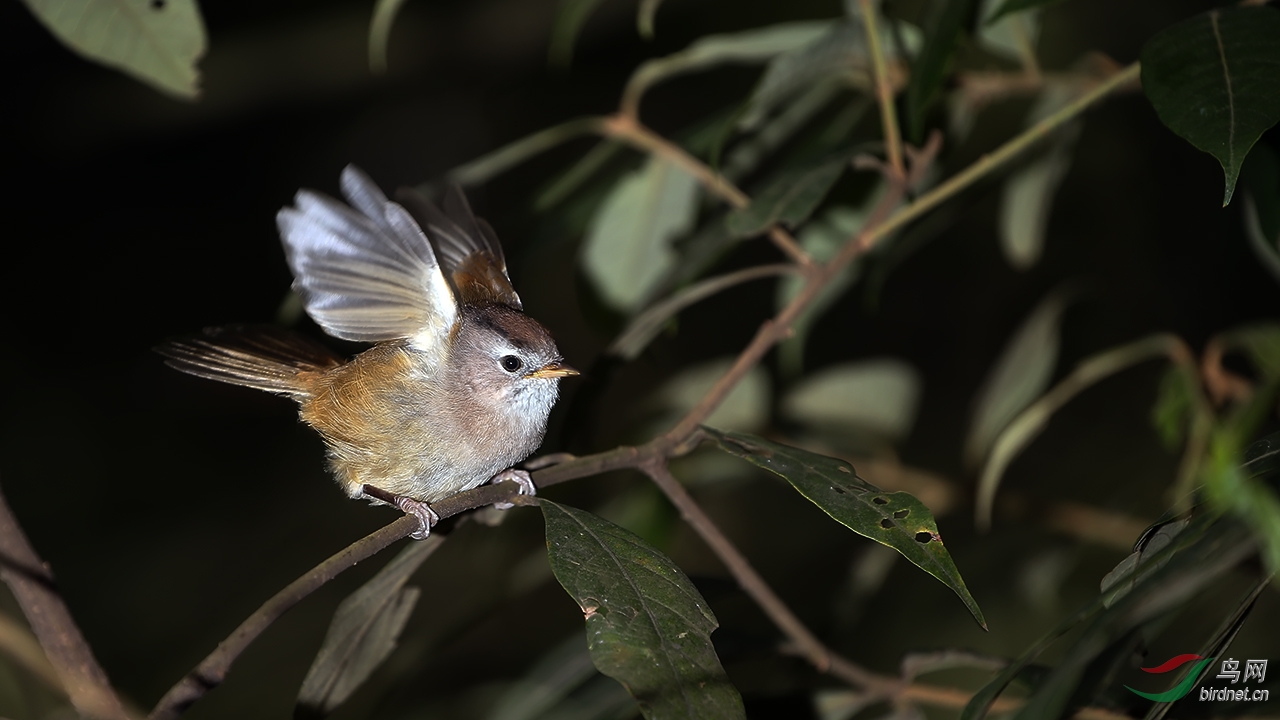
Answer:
[(265, 358)]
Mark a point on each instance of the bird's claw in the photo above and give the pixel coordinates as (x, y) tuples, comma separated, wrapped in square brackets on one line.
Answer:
[(427, 518), (519, 477)]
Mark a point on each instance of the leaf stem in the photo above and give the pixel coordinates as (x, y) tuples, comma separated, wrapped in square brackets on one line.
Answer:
[(884, 92)]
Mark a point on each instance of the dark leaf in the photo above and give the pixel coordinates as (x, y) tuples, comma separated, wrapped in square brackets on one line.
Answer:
[(940, 35), (1215, 80), (897, 520), (363, 632), (1218, 643), (647, 626), (788, 200), (840, 51), (1177, 574)]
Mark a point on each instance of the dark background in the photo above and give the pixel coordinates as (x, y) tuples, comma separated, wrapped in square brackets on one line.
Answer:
[(170, 507)]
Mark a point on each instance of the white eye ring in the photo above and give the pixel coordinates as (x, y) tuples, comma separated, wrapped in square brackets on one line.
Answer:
[(510, 363)]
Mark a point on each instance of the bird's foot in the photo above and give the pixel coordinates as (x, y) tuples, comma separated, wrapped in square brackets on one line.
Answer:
[(521, 478), (427, 518)]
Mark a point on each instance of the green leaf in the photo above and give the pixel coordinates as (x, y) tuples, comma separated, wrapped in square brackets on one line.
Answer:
[(554, 683), (1175, 401), (877, 395), (364, 631), (745, 408), (927, 72), (384, 16), (1019, 376), (570, 17), (789, 200), (647, 625), (1027, 424), (1013, 36), (157, 43), (1013, 6), (1027, 196), (1188, 569), (747, 154), (896, 520), (750, 46), (627, 250), (1120, 580), (644, 17), (839, 51), (1215, 80)]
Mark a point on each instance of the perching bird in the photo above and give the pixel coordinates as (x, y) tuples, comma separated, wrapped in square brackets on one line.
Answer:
[(460, 382)]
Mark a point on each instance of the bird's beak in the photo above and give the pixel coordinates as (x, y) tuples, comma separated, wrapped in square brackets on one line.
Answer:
[(553, 370)]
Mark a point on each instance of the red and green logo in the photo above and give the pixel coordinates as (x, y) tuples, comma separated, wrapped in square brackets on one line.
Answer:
[(1179, 691)]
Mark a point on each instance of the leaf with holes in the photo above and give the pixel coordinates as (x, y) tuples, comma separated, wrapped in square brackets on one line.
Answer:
[(896, 520), (1215, 80), (155, 41), (647, 625)]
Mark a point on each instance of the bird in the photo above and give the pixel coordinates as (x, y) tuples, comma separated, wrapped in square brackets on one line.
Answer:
[(459, 382)]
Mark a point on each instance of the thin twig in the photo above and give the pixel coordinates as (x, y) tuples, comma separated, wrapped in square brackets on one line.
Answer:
[(802, 639), (884, 93), (212, 671), (31, 582), (777, 329), (681, 438)]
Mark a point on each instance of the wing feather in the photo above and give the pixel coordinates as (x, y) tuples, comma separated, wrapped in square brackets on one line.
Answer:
[(366, 272), (468, 247)]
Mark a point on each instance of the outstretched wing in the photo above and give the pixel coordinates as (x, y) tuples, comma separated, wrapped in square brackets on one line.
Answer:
[(366, 271), (468, 248)]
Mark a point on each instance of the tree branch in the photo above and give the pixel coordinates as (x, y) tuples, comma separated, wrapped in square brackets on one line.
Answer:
[(803, 640), (651, 457), (31, 582)]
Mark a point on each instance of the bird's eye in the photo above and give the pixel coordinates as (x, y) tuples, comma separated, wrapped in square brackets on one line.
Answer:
[(511, 363)]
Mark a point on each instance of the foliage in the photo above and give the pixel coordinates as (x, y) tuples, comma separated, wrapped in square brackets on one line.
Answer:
[(795, 169)]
